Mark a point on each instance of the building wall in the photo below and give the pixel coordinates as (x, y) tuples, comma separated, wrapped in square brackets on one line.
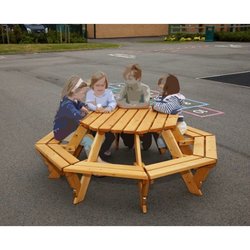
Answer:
[(126, 30)]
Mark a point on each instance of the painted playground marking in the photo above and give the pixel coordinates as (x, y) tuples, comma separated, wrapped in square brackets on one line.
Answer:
[(189, 103), (123, 55), (191, 107), (203, 112)]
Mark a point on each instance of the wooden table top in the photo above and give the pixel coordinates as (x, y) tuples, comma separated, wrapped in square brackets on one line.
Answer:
[(129, 121)]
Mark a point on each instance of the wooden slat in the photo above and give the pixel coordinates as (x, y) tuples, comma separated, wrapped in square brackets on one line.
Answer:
[(91, 117), (54, 141), (118, 172), (158, 123), (211, 150), (106, 126), (64, 153), (199, 144), (171, 121), (52, 156), (108, 165), (198, 131), (100, 120), (146, 122), (122, 123), (177, 168), (46, 138), (164, 164), (191, 134), (135, 121)]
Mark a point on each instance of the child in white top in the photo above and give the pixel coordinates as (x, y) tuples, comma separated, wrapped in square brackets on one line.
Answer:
[(101, 99)]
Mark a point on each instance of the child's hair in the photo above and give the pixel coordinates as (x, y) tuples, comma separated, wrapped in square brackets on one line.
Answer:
[(98, 76), (135, 68), (74, 84), (171, 85)]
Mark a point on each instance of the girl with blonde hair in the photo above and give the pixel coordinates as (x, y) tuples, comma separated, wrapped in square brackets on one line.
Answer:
[(71, 110)]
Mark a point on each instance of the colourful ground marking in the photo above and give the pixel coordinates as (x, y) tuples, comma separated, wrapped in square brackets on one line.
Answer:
[(190, 106), (203, 112), (189, 103)]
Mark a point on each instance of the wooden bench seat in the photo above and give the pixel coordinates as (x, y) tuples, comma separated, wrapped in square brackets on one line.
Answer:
[(112, 170), (106, 169), (184, 166), (205, 146), (193, 132), (176, 166), (56, 158), (194, 154)]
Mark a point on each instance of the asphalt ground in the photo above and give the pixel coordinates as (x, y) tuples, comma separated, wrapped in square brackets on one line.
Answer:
[(238, 79), (30, 87)]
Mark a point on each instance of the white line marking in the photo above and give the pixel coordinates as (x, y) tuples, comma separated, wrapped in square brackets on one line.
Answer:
[(235, 73), (122, 55)]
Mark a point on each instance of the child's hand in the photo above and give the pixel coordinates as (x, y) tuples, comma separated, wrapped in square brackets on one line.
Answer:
[(83, 109), (99, 109), (106, 110)]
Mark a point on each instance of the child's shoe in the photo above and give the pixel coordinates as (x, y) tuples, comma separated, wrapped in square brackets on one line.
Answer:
[(107, 153)]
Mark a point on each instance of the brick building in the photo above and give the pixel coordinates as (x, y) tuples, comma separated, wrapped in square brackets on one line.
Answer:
[(147, 30)]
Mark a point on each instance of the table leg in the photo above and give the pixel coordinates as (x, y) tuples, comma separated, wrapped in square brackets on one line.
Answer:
[(85, 179), (143, 189), (138, 150)]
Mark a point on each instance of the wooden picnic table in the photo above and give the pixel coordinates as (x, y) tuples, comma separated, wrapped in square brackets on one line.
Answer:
[(194, 154)]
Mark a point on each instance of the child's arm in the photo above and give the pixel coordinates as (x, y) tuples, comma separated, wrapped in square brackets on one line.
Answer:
[(122, 93), (146, 92), (73, 113), (91, 101), (168, 105)]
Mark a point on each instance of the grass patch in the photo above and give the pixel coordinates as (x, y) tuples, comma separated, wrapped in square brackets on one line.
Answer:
[(36, 48)]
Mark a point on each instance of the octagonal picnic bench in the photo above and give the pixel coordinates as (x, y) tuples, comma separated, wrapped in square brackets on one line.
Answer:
[(194, 153)]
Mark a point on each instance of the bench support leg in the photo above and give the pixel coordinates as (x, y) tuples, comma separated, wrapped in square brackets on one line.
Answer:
[(201, 174), (143, 189), (80, 194), (188, 178), (78, 151), (54, 172), (73, 181)]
